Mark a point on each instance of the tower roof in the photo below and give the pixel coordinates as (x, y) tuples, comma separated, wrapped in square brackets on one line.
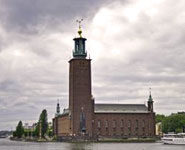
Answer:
[(120, 108), (150, 95)]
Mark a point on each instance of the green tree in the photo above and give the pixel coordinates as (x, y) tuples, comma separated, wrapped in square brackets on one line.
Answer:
[(50, 129), (14, 134), (36, 131), (165, 125), (44, 122), (159, 118), (173, 123), (19, 130)]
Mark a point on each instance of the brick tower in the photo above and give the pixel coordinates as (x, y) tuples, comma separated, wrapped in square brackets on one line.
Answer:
[(80, 103)]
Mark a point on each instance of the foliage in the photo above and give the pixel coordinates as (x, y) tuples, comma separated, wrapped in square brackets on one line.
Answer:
[(19, 130), (159, 118), (172, 123), (36, 131), (14, 134), (50, 129), (44, 122), (28, 133)]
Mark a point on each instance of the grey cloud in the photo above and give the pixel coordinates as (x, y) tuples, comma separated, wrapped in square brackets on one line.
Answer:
[(24, 15)]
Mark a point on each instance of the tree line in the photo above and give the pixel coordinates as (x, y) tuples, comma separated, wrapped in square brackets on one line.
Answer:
[(41, 128), (172, 123)]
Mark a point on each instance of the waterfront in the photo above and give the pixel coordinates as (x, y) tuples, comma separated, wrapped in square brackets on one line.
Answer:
[(6, 144)]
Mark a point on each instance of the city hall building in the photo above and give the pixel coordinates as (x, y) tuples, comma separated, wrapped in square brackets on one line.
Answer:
[(86, 118)]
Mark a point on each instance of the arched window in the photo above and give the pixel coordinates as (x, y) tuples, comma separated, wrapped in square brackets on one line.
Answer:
[(106, 123), (137, 124), (114, 124), (99, 124), (143, 124), (121, 124), (129, 123)]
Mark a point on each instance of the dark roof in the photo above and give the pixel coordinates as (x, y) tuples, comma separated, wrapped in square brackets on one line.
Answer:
[(120, 108), (64, 113)]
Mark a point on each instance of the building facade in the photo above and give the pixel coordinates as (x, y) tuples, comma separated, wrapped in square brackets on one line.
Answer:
[(85, 118)]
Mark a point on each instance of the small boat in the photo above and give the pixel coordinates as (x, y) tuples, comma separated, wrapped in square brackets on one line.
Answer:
[(3, 136), (173, 138)]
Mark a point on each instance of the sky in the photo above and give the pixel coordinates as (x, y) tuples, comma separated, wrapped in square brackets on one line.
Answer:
[(134, 46)]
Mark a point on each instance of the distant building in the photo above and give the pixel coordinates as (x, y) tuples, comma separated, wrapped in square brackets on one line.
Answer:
[(158, 128), (183, 113), (29, 127), (85, 118)]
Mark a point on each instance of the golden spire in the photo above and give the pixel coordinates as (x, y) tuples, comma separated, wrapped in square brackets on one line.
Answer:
[(79, 30)]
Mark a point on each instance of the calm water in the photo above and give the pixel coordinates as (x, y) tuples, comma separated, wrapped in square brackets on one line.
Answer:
[(5, 144)]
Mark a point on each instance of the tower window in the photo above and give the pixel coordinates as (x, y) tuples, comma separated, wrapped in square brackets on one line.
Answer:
[(77, 47)]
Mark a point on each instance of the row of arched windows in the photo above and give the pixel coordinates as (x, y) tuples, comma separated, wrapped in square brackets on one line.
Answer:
[(125, 127), (121, 123)]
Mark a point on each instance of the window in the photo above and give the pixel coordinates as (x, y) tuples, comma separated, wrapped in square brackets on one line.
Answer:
[(106, 124), (143, 123), (121, 124), (114, 124), (137, 123), (99, 124), (129, 127), (129, 131), (107, 132), (143, 131), (129, 123)]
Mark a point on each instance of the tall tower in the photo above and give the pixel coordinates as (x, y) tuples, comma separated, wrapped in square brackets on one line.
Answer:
[(80, 104), (150, 102)]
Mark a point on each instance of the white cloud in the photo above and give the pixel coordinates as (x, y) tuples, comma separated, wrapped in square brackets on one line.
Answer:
[(140, 42)]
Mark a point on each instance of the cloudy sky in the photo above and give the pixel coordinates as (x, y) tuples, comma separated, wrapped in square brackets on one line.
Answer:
[(134, 45)]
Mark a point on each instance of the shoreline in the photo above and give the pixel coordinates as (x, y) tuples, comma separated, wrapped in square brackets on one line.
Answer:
[(31, 140), (100, 140)]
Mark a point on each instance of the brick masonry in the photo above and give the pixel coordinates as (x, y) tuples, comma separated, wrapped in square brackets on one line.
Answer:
[(80, 94)]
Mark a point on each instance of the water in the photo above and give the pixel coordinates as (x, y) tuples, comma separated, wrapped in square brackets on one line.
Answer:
[(5, 144)]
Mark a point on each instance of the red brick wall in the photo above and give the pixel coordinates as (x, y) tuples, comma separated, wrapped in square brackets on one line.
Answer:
[(134, 125), (80, 94), (61, 125), (54, 126)]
